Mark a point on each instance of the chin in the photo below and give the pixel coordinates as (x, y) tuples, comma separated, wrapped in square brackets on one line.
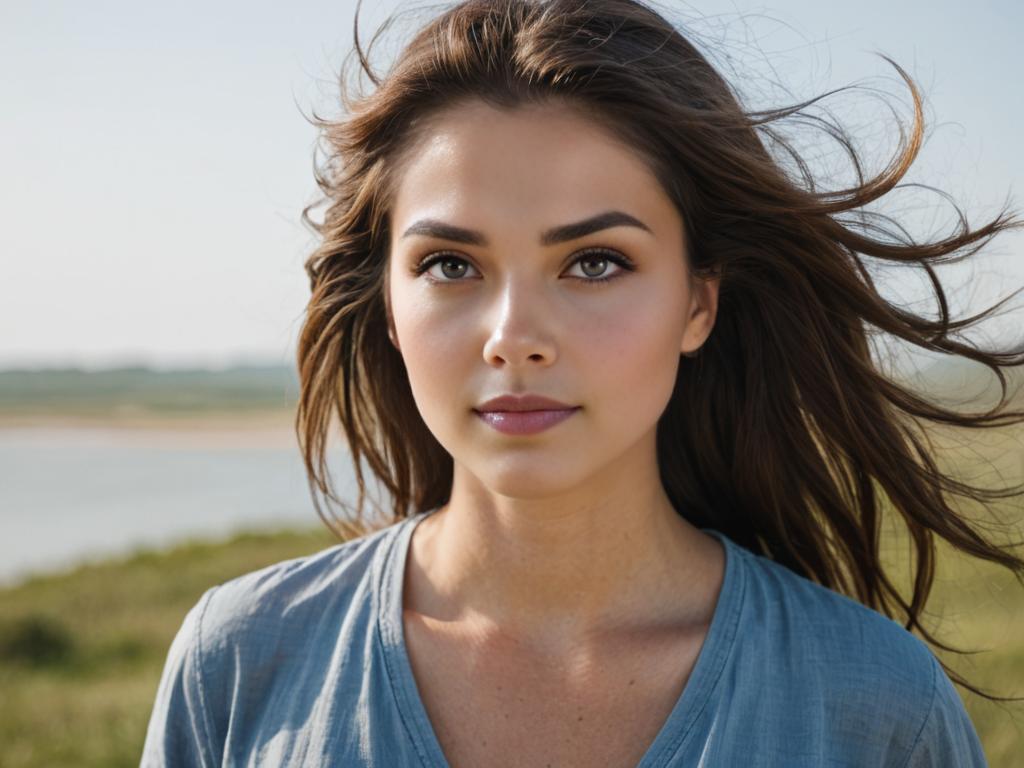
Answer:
[(529, 479)]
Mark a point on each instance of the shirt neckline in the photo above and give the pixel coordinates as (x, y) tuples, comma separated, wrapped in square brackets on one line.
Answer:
[(674, 732)]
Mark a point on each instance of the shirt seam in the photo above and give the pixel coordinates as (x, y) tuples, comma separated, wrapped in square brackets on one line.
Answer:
[(409, 731), (200, 686), (672, 748), (928, 714)]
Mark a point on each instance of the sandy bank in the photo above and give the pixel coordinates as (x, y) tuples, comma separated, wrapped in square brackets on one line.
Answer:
[(258, 429)]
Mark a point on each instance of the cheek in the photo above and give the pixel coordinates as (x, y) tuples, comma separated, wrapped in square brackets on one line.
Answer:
[(434, 350), (632, 360)]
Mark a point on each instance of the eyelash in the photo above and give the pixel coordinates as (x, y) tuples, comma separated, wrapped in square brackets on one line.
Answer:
[(612, 256)]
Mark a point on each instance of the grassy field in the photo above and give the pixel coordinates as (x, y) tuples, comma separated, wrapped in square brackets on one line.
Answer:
[(81, 653)]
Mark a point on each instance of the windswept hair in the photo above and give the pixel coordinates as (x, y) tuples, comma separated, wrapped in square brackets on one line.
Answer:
[(783, 432)]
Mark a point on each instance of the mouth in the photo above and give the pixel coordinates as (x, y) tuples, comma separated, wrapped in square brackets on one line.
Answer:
[(525, 422), (520, 403)]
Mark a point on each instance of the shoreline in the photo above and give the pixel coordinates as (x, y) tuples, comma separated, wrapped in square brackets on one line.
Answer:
[(213, 429)]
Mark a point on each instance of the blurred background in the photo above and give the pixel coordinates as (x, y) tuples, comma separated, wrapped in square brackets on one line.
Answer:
[(155, 161)]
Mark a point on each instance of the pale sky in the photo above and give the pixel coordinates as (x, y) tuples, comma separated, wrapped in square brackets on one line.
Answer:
[(154, 160)]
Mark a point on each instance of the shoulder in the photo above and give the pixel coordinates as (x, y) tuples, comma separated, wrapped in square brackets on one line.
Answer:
[(947, 737), (827, 627), (268, 619), (874, 686), (290, 591), (243, 637)]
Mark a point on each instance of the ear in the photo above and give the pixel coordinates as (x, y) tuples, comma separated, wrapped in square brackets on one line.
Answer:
[(702, 310), (392, 333)]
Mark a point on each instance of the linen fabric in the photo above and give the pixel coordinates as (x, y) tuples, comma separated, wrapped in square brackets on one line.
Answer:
[(303, 663)]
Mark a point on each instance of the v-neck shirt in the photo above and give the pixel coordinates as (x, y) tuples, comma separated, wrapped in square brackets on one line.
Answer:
[(304, 662)]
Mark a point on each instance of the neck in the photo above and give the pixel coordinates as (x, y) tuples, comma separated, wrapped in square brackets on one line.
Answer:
[(557, 574)]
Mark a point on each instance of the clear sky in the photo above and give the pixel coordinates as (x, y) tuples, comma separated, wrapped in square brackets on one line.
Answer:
[(154, 157)]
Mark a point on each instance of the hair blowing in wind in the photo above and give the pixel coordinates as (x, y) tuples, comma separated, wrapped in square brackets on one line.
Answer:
[(783, 432)]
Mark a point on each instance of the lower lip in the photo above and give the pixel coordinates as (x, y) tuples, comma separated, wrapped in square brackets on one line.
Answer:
[(524, 422)]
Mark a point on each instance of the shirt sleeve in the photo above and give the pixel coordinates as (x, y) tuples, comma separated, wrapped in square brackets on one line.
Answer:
[(947, 738), (179, 726)]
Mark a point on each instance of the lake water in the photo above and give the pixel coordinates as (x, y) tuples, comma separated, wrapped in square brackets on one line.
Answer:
[(70, 495)]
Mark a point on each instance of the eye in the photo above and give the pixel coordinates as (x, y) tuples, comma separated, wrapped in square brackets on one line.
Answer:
[(602, 256), (453, 267)]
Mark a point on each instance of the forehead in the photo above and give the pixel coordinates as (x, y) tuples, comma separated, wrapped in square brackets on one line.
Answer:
[(538, 162)]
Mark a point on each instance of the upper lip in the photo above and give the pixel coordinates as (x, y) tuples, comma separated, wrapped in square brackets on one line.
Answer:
[(523, 403)]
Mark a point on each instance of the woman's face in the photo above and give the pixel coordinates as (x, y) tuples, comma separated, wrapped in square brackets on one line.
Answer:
[(514, 310)]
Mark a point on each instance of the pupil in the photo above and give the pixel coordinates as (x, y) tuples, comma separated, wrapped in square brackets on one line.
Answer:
[(594, 260), (447, 263)]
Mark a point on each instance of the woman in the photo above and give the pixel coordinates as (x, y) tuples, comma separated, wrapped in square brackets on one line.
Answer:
[(610, 361)]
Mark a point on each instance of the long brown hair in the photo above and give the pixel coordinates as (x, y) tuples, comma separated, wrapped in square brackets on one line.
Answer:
[(783, 432)]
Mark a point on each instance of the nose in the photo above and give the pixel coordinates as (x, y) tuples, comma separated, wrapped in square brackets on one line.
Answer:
[(519, 337)]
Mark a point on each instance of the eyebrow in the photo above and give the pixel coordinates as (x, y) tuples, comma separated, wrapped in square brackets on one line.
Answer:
[(553, 236)]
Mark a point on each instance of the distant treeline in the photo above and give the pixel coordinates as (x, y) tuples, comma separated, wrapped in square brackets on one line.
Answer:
[(141, 390), (146, 390)]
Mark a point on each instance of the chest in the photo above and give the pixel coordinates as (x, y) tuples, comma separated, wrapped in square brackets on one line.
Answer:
[(490, 704)]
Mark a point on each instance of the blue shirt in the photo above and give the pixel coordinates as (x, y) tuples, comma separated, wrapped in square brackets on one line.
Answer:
[(303, 663)]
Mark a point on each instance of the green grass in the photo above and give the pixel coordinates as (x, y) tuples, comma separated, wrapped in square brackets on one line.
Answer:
[(81, 653)]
